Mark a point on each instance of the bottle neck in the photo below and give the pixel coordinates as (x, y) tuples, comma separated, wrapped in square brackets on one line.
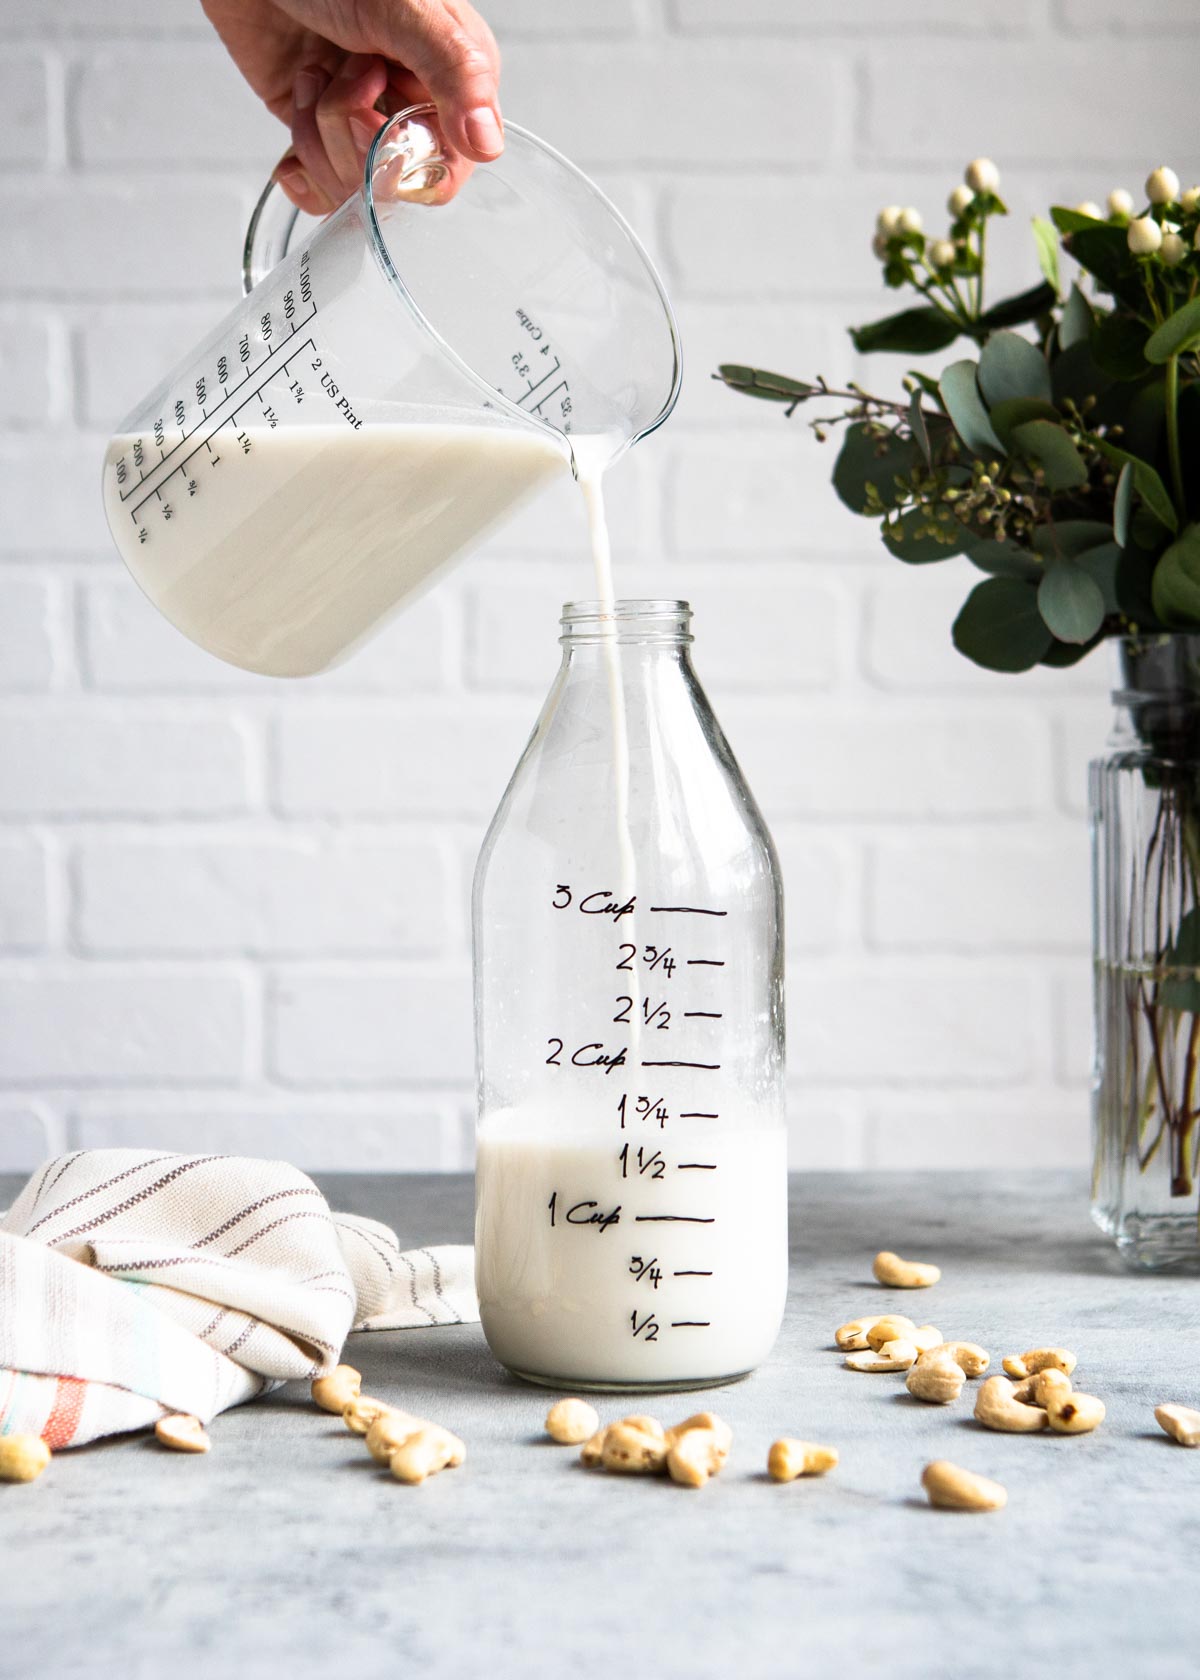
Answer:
[(591, 627)]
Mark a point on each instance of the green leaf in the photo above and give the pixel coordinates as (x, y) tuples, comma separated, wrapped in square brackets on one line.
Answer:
[(1009, 366), (1102, 565), (1118, 344), (1071, 221), (773, 387), (1077, 319), (1015, 411), (1146, 481), (1015, 311), (1066, 539), (964, 405), (1000, 626), (864, 459), (1180, 331), (1046, 239), (1176, 588), (1071, 602), (1075, 376), (1123, 504), (1051, 447), (914, 332), (1182, 991), (1004, 559), (918, 428), (900, 538), (1063, 654), (1104, 252)]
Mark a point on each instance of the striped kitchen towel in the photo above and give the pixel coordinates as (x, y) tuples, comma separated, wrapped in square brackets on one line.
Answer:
[(135, 1283)]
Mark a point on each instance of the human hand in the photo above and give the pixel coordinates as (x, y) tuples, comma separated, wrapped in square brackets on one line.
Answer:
[(328, 68)]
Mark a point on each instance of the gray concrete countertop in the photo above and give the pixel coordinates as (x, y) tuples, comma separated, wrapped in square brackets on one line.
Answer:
[(287, 1551)]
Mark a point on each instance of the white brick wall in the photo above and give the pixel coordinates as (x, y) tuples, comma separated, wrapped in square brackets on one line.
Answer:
[(232, 912)]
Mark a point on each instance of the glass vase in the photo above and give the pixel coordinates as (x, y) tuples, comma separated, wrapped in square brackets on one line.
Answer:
[(1145, 819)]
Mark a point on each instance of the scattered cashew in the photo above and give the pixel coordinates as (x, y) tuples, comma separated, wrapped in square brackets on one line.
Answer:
[(853, 1336), (1074, 1413), (936, 1376), (1037, 1390), (633, 1450), (334, 1391), (1182, 1423), (892, 1356), (648, 1425), (1040, 1359), (360, 1413), (182, 1432), (695, 1456), (996, 1407), (707, 1422), (389, 1431), (789, 1458), (892, 1327), (924, 1337), (22, 1457), (592, 1450), (431, 1449), (571, 1421), (895, 1273), (955, 1489), (973, 1359)]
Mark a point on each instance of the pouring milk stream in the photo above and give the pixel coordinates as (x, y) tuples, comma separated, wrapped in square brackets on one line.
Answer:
[(388, 392)]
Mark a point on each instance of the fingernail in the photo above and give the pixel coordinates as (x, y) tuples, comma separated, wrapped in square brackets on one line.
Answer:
[(362, 134), (484, 131), (306, 90)]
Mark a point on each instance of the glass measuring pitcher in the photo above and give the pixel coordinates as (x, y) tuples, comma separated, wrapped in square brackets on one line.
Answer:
[(387, 392), (631, 1190)]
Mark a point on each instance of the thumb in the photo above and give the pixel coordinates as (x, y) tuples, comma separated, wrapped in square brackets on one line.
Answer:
[(454, 54)]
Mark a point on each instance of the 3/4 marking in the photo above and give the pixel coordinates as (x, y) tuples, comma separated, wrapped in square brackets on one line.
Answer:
[(695, 1115), (691, 1274), (706, 962)]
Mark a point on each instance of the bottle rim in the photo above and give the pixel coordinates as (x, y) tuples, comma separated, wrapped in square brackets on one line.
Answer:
[(626, 620)]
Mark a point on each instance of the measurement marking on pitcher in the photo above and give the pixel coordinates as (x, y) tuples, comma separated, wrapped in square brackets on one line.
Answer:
[(695, 1166), (691, 1323), (694, 1114), (703, 1015), (672, 1219), (684, 910), (691, 1274), (706, 962), (705, 1067)]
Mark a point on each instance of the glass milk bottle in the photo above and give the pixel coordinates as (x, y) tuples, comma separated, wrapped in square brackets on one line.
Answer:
[(631, 1193)]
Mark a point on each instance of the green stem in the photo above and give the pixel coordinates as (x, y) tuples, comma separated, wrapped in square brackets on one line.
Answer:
[(979, 276), (1171, 397)]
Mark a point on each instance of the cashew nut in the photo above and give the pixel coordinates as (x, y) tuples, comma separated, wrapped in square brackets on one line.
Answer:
[(334, 1391), (895, 1273), (973, 1359), (1040, 1359), (360, 1413), (182, 1432), (592, 1450), (22, 1457), (852, 1336), (431, 1449), (1037, 1390), (789, 1458), (996, 1407), (694, 1457), (649, 1425), (1182, 1423), (1074, 1413), (924, 1337), (389, 1431), (631, 1449), (892, 1327), (936, 1376), (571, 1421), (892, 1356), (708, 1421), (955, 1489)]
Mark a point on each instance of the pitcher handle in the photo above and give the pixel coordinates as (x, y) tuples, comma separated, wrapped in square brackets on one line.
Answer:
[(268, 235)]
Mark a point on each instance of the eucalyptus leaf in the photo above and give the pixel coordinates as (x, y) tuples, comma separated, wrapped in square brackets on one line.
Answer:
[(865, 459), (1102, 564), (1077, 319), (773, 387), (1015, 311), (964, 405), (1000, 626), (1046, 238), (1123, 504), (1075, 376), (1146, 481), (1180, 331), (1051, 447), (1010, 367), (1070, 602), (1063, 654), (1176, 588), (1004, 559), (918, 428), (1066, 539), (1119, 345), (901, 539), (913, 332), (1015, 411)]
